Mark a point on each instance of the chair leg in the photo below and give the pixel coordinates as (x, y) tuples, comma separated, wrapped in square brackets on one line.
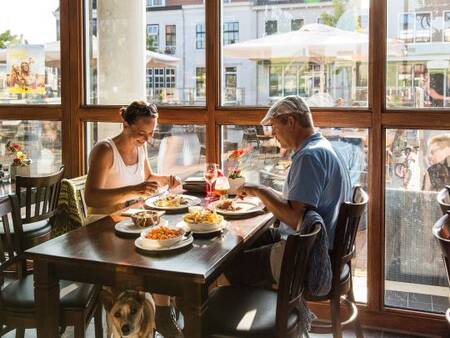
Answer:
[(358, 329), (98, 323), (20, 333), (336, 316)]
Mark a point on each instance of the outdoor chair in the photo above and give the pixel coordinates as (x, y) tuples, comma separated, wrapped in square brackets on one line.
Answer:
[(443, 198), (271, 313), (343, 252), (38, 195), (17, 308), (441, 233)]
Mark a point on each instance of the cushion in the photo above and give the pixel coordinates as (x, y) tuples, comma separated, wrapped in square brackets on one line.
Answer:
[(18, 296), (344, 273), (239, 311), (32, 229)]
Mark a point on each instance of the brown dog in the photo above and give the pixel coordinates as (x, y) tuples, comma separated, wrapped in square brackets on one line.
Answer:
[(130, 315)]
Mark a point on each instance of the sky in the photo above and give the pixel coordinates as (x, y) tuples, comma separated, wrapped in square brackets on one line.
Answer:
[(32, 18)]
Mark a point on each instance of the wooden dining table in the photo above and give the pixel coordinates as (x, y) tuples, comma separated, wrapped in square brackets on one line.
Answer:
[(97, 254)]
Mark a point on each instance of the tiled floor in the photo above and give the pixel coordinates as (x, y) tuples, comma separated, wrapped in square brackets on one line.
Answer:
[(416, 301)]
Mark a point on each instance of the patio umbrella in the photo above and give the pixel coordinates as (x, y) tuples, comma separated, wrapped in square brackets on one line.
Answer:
[(312, 41)]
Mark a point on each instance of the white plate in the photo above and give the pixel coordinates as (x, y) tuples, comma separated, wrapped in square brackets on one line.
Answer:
[(192, 200), (219, 227), (181, 244), (247, 207), (127, 226)]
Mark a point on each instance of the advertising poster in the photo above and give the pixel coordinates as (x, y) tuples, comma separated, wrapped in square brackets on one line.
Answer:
[(25, 66)]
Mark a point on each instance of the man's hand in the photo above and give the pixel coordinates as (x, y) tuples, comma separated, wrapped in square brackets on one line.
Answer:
[(146, 188), (173, 181), (247, 189)]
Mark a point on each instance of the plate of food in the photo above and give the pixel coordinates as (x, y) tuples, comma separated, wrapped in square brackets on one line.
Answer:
[(203, 221), (163, 238), (235, 206), (140, 221), (172, 202)]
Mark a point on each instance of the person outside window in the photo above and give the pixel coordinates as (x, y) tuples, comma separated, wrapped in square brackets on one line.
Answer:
[(437, 175)]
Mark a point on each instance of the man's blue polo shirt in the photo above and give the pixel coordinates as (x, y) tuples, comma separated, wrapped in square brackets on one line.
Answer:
[(319, 178)]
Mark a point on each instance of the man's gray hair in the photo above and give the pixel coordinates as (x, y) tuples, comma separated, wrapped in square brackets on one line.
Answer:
[(290, 105)]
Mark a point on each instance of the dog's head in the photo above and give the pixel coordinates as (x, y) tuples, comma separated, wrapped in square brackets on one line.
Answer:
[(126, 312)]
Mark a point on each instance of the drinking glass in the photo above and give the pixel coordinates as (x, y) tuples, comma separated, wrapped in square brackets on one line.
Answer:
[(210, 176), (222, 186)]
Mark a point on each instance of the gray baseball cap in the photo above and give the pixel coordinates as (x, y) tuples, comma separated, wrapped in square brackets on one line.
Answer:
[(292, 104)]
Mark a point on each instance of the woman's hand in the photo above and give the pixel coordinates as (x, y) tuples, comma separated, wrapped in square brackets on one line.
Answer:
[(146, 188), (173, 181)]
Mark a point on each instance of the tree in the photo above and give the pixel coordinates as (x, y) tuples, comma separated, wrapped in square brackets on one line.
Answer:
[(150, 41), (7, 38), (332, 19)]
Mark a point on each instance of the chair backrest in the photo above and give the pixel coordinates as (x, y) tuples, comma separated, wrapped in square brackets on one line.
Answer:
[(444, 243), (350, 214), (293, 275), (443, 198), (39, 195), (11, 247)]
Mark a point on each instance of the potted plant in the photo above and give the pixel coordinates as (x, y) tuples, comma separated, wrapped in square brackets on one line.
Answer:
[(21, 163), (235, 177)]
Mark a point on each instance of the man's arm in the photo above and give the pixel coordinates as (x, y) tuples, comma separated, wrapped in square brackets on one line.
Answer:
[(288, 212)]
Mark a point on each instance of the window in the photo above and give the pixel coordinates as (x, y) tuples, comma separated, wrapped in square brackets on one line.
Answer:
[(423, 27), (446, 35), (30, 71), (156, 3), (415, 78), (200, 36), (230, 33), (153, 36), (271, 27), (266, 163), (296, 24), (171, 38), (278, 58), (230, 84), (200, 82), (94, 26), (40, 140), (175, 149), (116, 78), (417, 165)]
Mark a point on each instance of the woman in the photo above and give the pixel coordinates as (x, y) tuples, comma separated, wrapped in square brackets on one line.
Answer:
[(119, 171), (118, 167)]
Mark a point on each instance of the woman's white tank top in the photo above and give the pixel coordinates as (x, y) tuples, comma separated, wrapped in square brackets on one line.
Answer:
[(120, 174)]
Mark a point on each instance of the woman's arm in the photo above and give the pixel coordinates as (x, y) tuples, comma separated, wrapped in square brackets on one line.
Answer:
[(97, 196)]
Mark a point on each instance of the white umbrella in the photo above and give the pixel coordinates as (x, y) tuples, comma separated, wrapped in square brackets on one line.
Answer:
[(309, 42)]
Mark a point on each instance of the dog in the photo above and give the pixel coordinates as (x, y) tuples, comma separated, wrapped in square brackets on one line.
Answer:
[(130, 315)]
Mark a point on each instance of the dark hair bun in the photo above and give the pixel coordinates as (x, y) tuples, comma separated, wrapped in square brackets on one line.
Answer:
[(138, 109)]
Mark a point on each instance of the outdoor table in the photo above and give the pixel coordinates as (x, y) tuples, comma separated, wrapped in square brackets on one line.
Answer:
[(96, 254)]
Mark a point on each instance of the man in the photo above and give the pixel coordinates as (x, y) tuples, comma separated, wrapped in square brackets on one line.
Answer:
[(438, 173), (317, 179)]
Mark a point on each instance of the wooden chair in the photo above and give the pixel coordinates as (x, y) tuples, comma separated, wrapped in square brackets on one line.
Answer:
[(275, 313), (443, 198), (17, 309), (441, 233), (343, 251), (39, 197)]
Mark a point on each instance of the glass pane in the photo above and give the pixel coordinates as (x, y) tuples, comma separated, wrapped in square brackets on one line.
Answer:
[(39, 140), (319, 52), (417, 165), (175, 149), (264, 162), (418, 54), (30, 60), (154, 56)]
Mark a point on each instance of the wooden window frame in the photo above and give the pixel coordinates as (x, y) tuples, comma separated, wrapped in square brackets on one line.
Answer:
[(73, 112)]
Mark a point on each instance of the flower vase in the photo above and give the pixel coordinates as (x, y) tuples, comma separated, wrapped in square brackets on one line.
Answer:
[(19, 170), (235, 183)]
